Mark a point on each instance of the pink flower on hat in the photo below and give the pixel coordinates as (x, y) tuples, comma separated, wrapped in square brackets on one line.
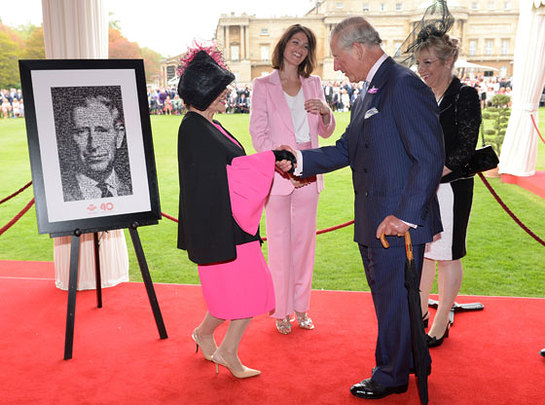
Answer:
[(210, 48)]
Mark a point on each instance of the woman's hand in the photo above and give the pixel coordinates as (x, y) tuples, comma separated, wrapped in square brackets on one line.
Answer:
[(317, 106)]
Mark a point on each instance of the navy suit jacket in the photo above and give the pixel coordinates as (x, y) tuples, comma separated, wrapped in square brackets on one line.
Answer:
[(394, 146)]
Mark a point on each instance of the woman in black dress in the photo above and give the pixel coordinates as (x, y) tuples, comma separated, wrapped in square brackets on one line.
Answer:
[(460, 116)]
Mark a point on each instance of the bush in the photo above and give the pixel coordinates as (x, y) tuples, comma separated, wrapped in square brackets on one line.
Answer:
[(499, 114)]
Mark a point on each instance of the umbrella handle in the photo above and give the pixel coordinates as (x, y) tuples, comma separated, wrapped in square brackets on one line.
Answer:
[(408, 246), (383, 240)]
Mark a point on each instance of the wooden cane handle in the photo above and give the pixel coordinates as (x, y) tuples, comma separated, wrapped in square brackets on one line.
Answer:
[(408, 246), (384, 241)]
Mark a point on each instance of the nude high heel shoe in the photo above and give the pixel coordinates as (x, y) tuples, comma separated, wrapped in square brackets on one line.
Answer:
[(207, 356), (245, 373)]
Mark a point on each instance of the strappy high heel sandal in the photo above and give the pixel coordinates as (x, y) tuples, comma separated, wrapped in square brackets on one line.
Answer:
[(283, 325), (304, 321)]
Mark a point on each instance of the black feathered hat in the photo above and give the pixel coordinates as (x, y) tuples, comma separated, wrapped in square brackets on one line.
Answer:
[(203, 80)]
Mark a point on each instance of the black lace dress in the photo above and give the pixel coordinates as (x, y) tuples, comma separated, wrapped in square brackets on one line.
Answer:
[(460, 116)]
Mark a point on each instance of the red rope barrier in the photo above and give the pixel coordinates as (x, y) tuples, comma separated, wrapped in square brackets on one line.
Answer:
[(537, 129), (17, 217), (17, 192), (333, 228), (509, 212), (169, 217)]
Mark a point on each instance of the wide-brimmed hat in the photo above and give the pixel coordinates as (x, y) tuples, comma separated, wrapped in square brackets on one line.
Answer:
[(203, 80)]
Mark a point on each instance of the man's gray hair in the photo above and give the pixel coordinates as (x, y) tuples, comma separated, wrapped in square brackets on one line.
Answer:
[(355, 30)]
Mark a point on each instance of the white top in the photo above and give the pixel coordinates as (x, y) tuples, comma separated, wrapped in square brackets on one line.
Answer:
[(299, 116)]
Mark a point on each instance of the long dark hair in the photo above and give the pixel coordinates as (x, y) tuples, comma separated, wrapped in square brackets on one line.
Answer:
[(306, 67)]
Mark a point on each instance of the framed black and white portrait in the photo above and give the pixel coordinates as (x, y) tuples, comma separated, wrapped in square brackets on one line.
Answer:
[(90, 144)]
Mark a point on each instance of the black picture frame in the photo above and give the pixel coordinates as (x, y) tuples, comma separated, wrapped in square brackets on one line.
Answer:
[(66, 162)]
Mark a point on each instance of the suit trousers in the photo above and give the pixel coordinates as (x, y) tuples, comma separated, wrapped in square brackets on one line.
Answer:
[(291, 239), (385, 272)]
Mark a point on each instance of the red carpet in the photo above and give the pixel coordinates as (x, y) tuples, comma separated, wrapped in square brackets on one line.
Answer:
[(534, 184), (491, 356)]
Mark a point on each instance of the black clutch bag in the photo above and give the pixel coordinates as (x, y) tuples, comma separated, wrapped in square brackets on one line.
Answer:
[(483, 159)]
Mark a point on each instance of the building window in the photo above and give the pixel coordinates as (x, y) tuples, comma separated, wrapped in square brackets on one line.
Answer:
[(507, 5), (365, 7), (340, 5), (472, 47), (235, 55), (504, 46), (264, 31), (489, 45), (474, 5), (171, 72), (264, 51), (491, 5), (399, 6), (382, 6)]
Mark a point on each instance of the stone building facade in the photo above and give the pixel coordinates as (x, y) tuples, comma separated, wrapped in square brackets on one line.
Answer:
[(486, 30)]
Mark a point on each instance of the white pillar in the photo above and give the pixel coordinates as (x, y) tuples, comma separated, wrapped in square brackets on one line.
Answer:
[(227, 45)]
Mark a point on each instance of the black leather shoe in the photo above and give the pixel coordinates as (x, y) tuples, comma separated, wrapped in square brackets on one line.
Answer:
[(370, 389)]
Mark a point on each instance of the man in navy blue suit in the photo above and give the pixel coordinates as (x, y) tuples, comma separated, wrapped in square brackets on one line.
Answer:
[(394, 146)]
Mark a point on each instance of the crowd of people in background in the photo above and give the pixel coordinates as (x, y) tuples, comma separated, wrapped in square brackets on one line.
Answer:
[(11, 102), (166, 101), (339, 95)]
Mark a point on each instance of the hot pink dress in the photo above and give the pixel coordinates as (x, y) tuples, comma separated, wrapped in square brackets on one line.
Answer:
[(243, 287)]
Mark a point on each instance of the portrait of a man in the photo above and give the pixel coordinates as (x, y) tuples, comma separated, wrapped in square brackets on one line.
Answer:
[(91, 142)]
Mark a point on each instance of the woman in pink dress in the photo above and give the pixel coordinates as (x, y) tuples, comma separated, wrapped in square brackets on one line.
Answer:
[(222, 193), (289, 108)]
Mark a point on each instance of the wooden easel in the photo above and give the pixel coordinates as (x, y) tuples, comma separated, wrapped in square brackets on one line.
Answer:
[(73, 281)]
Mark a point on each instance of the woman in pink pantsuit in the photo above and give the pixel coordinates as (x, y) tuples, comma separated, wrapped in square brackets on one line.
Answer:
[(289, 108)]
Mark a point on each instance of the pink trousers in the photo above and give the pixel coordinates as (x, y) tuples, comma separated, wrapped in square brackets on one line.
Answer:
[(291, 239)]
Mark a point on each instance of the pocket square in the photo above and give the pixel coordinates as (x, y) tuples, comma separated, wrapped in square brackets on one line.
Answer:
[(370, 112)]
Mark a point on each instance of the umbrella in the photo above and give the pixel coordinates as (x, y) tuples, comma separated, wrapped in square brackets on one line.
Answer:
[(421, 354)]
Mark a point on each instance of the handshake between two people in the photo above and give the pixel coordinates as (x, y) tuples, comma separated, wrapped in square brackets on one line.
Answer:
[(286, 162)]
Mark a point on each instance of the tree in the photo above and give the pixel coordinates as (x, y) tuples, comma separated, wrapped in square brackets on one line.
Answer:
[(34, 47), (152, 63), (120, 47), (9, 69)]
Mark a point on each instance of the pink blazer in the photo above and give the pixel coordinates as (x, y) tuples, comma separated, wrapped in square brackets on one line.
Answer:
[(271, 124)]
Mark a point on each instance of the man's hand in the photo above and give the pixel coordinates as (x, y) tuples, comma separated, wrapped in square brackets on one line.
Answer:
[(392, 226)]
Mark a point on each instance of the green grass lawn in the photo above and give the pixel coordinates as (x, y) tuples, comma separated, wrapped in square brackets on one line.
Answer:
[(502, 259)]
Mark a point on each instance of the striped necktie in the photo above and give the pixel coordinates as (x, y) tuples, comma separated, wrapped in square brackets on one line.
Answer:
[(104, 190), (365, 87)]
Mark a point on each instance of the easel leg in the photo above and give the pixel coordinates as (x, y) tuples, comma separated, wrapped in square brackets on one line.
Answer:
[(147, 281), (97, 272), (72, 286)]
